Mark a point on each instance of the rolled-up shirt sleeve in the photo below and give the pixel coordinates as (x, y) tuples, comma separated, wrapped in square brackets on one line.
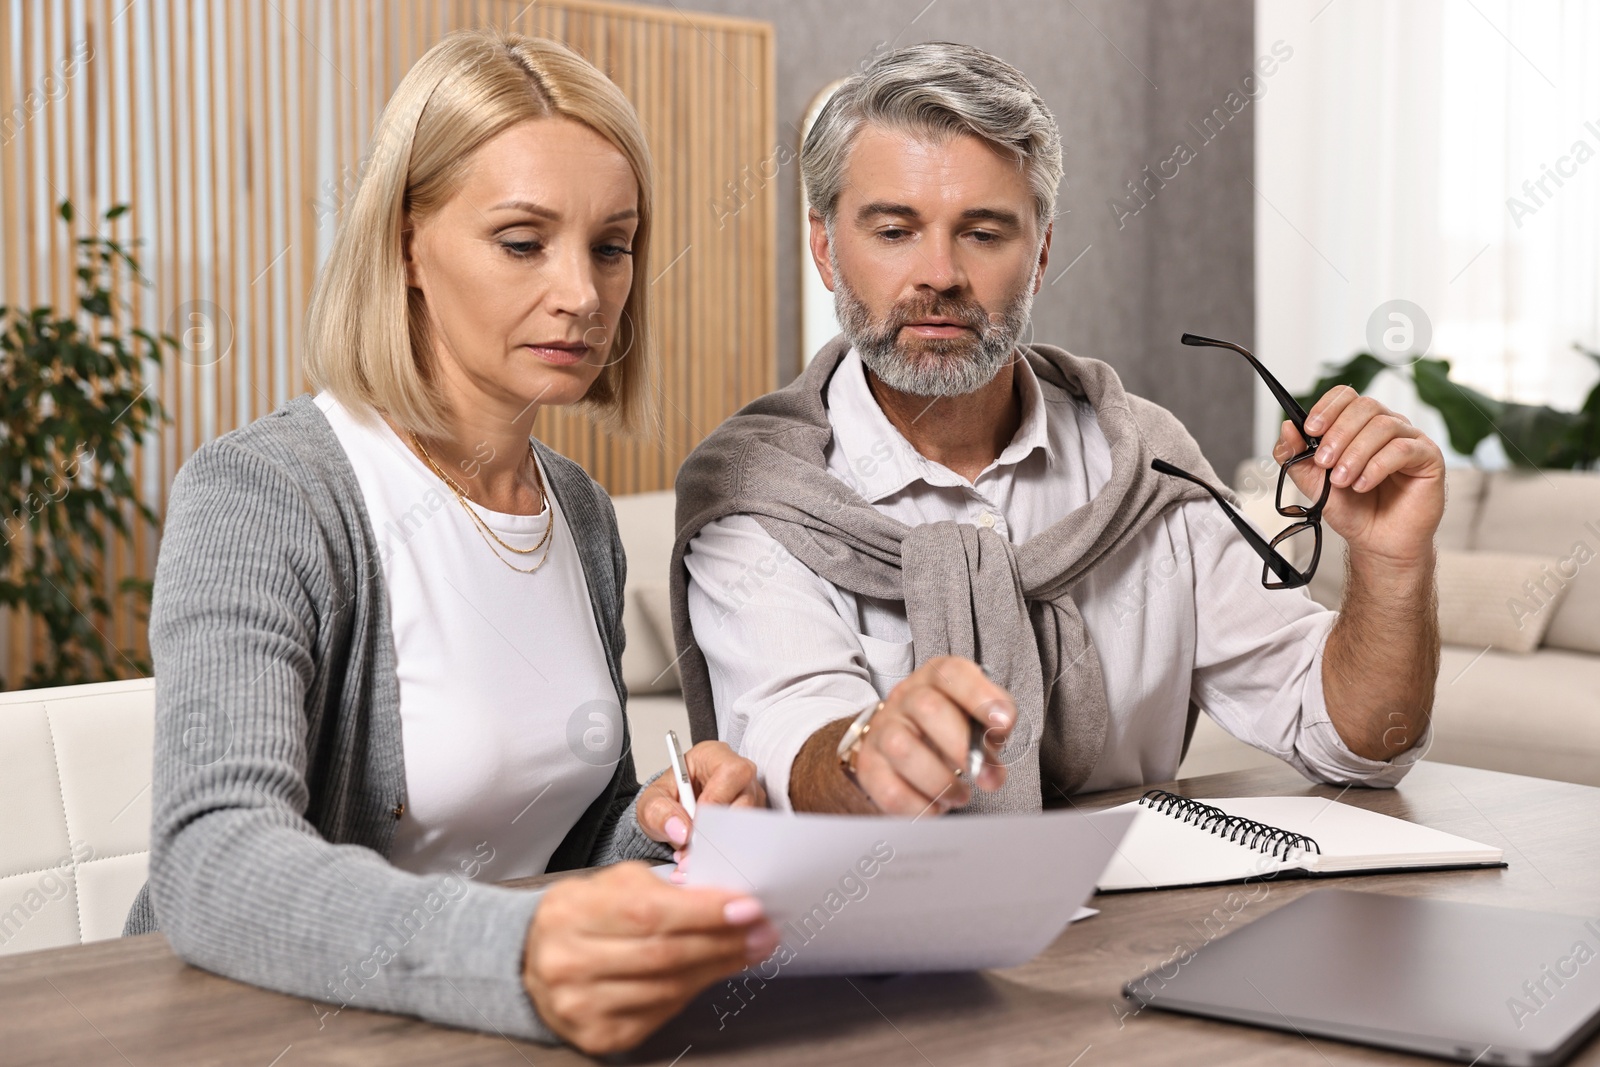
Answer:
[(783, 658), (1259, 661)]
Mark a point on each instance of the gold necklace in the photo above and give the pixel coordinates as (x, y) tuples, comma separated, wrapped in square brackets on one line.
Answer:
[(485, 531), (461, 495)]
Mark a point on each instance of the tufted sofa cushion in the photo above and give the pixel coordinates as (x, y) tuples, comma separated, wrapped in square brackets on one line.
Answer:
[(75, 788)]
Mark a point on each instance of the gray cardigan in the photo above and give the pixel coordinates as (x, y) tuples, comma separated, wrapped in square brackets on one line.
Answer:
[(279, 774)]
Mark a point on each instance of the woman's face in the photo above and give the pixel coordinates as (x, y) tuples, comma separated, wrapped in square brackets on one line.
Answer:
[(526, 267)]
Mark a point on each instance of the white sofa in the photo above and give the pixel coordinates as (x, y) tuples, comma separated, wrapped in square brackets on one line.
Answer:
[(75, 789)]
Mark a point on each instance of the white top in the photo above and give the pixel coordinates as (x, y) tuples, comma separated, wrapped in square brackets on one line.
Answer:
[(1178, 613), (510, 724)]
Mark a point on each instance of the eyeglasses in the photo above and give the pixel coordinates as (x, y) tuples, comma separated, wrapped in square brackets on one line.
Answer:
[(1278, 572)]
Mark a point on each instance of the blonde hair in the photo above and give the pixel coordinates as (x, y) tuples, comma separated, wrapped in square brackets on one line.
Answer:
[(367, 338)]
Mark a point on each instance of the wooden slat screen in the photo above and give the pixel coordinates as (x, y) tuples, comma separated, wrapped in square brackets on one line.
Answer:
[(235, 128)]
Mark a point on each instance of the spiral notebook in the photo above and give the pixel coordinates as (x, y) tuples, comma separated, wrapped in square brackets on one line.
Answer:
[(1175, 841)]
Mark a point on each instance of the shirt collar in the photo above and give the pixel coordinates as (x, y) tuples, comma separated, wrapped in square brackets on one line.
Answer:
[(881, 462)]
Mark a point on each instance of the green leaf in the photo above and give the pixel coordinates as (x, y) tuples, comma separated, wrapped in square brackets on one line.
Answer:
[(1540, 437), (1357, 372), (1586, 439), (116, 212), (71, 382), (1533, 435), (1469, 416)]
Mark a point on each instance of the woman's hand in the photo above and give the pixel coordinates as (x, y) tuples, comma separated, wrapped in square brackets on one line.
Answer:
[(719, 776), (612, 956)]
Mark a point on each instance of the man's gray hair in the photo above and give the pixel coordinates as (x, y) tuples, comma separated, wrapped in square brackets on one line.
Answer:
[(940, 89)]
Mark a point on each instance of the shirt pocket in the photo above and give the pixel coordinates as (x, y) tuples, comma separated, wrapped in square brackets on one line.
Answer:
[(888, 662)]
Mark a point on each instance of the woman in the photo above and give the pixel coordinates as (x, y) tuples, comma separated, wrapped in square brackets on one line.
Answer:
[(386, 623)]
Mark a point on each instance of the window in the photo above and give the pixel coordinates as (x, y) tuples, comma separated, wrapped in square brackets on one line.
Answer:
[(1443, 153)]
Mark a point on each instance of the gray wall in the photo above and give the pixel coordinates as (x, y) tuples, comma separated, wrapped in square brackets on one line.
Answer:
[(1125, 80)]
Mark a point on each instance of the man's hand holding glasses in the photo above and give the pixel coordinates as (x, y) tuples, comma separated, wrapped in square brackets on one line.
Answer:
[(1376, 479), (1378, 482), (1387, 477)]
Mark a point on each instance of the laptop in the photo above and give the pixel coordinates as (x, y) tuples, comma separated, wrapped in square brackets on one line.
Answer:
[(1463, 981)]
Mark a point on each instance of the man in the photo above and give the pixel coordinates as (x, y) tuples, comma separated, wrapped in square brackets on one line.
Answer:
[(930, 492)]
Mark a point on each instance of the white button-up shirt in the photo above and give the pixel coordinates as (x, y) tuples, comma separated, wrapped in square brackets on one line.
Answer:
[(1177, 614)]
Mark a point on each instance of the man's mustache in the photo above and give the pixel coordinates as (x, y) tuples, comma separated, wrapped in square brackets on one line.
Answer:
[(969, 315)]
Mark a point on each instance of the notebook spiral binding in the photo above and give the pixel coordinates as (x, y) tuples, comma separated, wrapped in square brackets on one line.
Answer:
[(1247, 832)]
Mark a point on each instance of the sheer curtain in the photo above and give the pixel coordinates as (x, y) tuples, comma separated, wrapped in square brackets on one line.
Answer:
[(1444, 152)]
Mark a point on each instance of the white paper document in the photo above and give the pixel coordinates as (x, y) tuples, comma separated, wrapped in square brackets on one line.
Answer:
[(876, 895)]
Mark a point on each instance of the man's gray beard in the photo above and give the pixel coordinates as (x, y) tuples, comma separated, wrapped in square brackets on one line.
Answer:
[(931, 367)]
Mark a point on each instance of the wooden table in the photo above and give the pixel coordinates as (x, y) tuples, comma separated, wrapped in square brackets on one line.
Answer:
[(131, 1002)]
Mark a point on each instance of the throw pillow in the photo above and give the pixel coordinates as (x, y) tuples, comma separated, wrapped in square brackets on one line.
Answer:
[(1500, 599), (655, 599)]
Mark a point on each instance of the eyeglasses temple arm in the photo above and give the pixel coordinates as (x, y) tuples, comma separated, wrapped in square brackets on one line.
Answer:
[(1269, 555), (1290, 405)]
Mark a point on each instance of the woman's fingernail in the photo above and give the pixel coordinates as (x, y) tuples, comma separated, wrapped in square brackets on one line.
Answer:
[(1341, 474), (677, 832), (999, 719), (741, 911)]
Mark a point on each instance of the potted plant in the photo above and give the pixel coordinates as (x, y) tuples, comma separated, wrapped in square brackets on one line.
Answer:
[(75, 399), (1534, 435)]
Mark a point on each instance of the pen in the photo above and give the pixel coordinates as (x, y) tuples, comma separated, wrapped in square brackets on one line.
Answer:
[(680, 771), (975, 750), (975, 733)]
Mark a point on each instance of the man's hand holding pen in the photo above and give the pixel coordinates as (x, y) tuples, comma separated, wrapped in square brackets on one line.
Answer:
[(931, 741)]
